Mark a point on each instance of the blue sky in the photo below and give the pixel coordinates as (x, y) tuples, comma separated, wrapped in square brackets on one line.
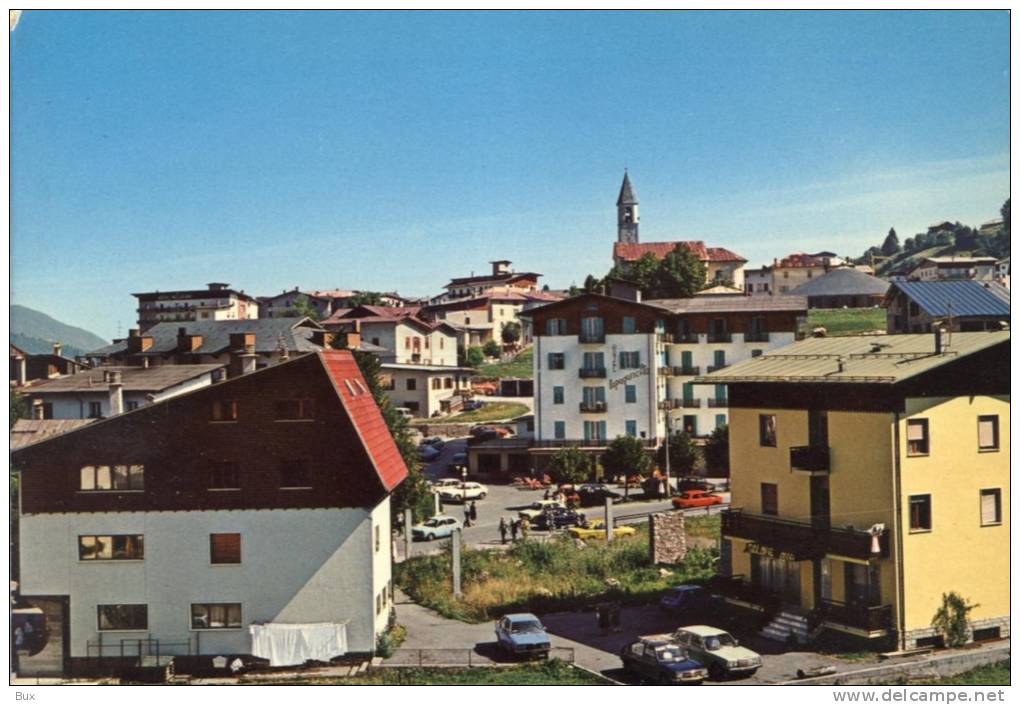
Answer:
[(396, 150)]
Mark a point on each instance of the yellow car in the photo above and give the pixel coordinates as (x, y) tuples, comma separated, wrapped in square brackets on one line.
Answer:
[(597, 530)]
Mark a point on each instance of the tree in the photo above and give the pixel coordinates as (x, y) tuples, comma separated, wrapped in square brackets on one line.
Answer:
[(908, 245), (951, 621), (303, 308), (511, 332), (683, 454), (570, 466), (365, 298), (414, 492), (644, 272), (592, 284), (717, 451), (1004, 212), (625, 455), (680, 275), (19, 407), (891, 245), (491, 348), (474, 356)]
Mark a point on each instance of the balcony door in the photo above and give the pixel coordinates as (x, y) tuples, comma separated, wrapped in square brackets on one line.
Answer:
[(862, 586), (592, 328), (776, 576), (820, 511), (686, 360), (594, 361)]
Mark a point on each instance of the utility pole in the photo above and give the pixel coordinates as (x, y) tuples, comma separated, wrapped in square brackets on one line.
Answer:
[(408, 521), (609, 517), (455, 555)]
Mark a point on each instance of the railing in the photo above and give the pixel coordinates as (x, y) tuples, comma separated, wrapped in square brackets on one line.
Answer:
[(666, 371), (665, 405), (686, 338), (592, 372), (459, 658), (595, 407), (689, 371), (801, 539), (590, 338), (585, 443), (738, 588), (718, 403), (813, 458), (686, 403), (665, 337), (720, 337), (871, 619), (716, 368), (756, 337)]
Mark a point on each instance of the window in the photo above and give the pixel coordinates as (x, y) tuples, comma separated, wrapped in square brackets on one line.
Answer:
[(47, 409), (557, 395), (295, 473), (767, 430), (988, 432), (556, 326), (98, 478), (412, 384), (592, 329), (224, 548), (95, 409), (720, 420), (991, 507), (448, 382), (917, 437), (407, 342), (920, 512), (769, 498), (631, 427), (756, 353), (216, 616), (630, 360), (123, 617), (630, 393), (224, 410), (129, 547), (690, 424), (437, 383), (132, 405), (594, 430), (559, 430), (224, 475), (296, 409), (378, 538), (719, 359), (629, 325), (556, 361)]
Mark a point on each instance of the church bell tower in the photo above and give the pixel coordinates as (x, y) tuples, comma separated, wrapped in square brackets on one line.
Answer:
[(627, 213)]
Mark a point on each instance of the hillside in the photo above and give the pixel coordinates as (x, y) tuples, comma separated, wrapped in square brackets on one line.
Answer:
[(35, 332)]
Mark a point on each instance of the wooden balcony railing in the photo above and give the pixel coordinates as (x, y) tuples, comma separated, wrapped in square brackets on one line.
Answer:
[(590, 338), (718, 403), (720, 337), (814, 458), (592, 372), (802, 540), (756, 337), (685, 338), (871, 619), (593, 407)]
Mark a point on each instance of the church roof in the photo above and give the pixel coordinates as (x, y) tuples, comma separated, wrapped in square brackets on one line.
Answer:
[(631, 251), (627, 197)]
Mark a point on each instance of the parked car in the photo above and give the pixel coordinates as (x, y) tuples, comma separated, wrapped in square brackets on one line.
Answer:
[(428, 453), (594, 494), (685, 599), (436, 442), (694, 483), (718, 650), (472, 405), (463, 492), (658, 660), (445, 482), (539, 507), (557, 516), (405, 412), (439, 526), (522, 634), (689, 499), (486, 388), (597, 530)]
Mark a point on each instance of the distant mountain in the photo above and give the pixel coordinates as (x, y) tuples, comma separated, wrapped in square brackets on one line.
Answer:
[(35, 332)]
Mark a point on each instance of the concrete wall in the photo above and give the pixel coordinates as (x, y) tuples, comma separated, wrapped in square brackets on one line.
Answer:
[(333, 576)]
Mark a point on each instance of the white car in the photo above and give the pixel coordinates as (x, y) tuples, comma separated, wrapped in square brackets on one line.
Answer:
[(539, 507), (445, 483), (437, 527), (463, 492)]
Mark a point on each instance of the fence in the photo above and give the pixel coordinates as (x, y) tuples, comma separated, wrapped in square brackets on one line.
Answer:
[(488, 655)]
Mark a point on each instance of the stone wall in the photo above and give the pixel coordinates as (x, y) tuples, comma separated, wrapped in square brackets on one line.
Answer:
[(668, 542)]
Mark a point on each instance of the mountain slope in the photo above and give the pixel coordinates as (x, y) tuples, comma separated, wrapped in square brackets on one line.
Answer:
[(35, 332)]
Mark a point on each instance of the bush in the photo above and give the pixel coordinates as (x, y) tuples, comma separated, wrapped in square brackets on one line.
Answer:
[(951, 619), (491, 349)]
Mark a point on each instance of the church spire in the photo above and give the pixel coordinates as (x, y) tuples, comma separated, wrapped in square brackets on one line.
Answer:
[(627, 212)]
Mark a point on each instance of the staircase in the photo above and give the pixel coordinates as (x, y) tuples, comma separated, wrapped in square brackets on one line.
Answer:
[(785, 623)]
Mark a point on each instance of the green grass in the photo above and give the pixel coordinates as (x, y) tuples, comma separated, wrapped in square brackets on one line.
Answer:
[(520, 366), (706, 527), (491, 411), (553, 672), (847, 321), (992, 674), (547, 576)]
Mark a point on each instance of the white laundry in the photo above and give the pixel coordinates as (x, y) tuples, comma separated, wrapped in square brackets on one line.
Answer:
[(293, 644)]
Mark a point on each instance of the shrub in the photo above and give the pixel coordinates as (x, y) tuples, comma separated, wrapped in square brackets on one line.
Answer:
[(950, 619)]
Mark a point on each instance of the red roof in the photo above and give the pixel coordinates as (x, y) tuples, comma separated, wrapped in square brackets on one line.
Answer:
[(800, 259), (632, 251), (365, 415)]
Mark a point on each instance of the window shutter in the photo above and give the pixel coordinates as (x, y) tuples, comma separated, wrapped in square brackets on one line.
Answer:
[(986, 433), (225, 548), (602, 430), (915, 431), (989, 507)]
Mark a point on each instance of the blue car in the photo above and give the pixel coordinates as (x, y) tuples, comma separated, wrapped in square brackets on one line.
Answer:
[(684, 598), (656, 659), (522, 635)]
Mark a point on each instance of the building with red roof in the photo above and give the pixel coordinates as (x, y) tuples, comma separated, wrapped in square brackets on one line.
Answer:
[(211, 523)]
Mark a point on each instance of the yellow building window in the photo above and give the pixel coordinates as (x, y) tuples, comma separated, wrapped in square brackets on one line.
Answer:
[(917, 437), (988, 433), (920, 512), (767, 430), (991, 507)]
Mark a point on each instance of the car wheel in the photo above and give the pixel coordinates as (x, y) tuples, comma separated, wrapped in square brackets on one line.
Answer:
[(481, 496), (430, 537)]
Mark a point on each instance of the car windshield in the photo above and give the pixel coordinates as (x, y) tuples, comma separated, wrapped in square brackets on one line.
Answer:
[(717, 641), (532, 625), (669, 654)]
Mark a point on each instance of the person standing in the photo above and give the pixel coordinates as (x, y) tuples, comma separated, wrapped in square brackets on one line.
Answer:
[(513, 531), (502, 530), (467, 516), (474, 512), (525, 527)]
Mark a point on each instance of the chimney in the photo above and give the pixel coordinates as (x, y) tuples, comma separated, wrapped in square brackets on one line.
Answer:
[(187, 343), (840, 364), (116, 393), (941, 339), (37, 409), (322, 338), (138, 343), (242, 354), (22, 365), (57, 347)]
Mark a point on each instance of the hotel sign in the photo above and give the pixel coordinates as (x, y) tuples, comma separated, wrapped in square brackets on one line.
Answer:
[(767, 551), (614, 383)]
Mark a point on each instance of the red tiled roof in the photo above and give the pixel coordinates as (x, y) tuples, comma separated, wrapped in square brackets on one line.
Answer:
[(365, 415), (800, 259), (721, 254), (631, 251)]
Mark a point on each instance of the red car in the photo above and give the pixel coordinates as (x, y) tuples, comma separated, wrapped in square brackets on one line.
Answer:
[(696, 498)]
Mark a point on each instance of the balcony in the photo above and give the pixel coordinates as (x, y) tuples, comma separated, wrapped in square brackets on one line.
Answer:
[(666, 371), (863, 617), (686, 403), (756, 337), (801, 540), (592, 372), (685, 338), (665, 405), (716, 368), (689, 371), (584, 443), (737, 587), (718, 403), (591, 338), (593, 407), (720, 337), (665, 338), (813, 459)]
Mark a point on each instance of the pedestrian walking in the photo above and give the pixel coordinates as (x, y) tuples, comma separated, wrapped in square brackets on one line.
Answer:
[(502, 529), (513, 531), (546, 495), (474, 512), (467, 516)]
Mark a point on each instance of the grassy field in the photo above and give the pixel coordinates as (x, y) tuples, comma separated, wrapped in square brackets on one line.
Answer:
[(546, 673), (706, 527), (546, 576), (847, 321), (992, 674), (491, 411), (520, 366)]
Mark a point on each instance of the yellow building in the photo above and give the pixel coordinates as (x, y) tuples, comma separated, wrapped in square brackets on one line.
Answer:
[(869, 476)]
